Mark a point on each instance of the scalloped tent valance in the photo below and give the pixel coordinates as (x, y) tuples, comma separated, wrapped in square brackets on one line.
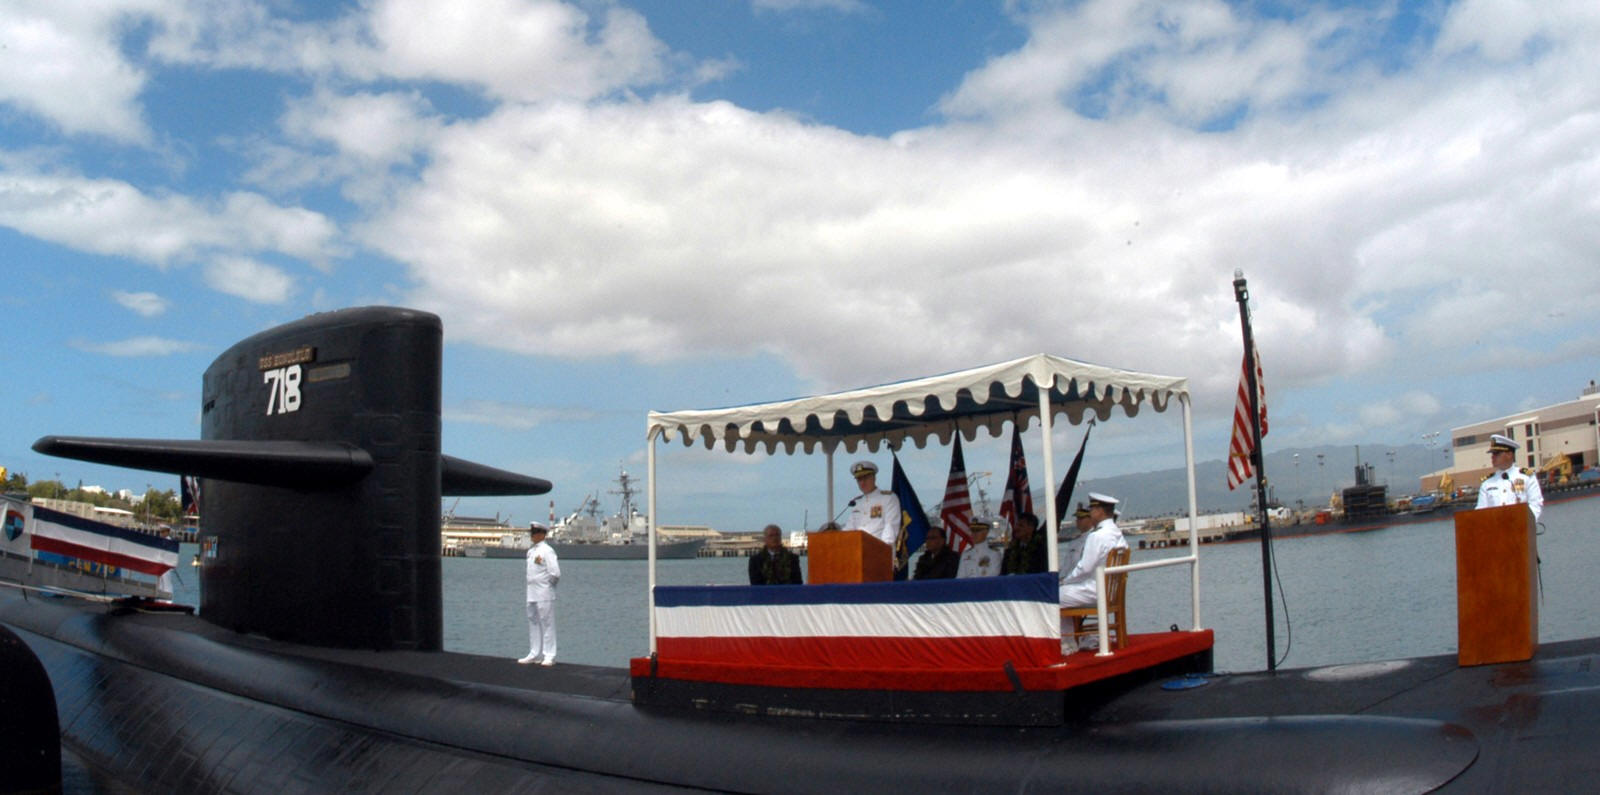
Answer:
[(923, 408)]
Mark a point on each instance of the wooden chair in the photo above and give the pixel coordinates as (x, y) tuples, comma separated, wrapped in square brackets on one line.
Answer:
[(1116, 613)]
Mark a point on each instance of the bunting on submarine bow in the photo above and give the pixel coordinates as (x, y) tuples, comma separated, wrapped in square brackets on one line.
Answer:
[(925, 624), (74, 536)]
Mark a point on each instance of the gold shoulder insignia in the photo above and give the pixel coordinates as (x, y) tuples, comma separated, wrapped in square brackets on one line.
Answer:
[(1527, 471), (1486, 477)]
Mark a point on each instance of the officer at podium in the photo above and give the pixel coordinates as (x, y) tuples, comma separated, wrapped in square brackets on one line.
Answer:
[(877, 512), (1507, 484)]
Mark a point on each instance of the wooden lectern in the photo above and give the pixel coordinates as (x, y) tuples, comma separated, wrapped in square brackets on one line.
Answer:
[(1497, 596), (848, 556)]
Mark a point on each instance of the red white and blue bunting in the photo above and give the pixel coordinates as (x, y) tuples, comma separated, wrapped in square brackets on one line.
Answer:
[(942, 624), (47, 530)]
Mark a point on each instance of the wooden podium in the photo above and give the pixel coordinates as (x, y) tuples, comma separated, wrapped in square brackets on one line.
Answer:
[(1497, 597), (848, 556)]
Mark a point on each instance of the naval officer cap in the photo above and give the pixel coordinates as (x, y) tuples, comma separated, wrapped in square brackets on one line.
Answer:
[(978, 524), (1108, 503), (1081, 512), (1501, 444), (860, 468)]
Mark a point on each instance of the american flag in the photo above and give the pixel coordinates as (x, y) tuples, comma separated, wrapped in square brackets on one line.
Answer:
[(1239, 450), (956, 512), (1018, 498)]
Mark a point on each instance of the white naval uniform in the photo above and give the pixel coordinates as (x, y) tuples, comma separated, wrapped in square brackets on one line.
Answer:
[(877, 513), (1511, 486), (1073, 552), (544, 571), (980, 560), (1077, 583)]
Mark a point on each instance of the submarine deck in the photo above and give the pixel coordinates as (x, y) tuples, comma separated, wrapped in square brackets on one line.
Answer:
[(1414, 724)]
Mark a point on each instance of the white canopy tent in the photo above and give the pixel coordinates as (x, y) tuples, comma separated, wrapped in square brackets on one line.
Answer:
[(1039, 387)]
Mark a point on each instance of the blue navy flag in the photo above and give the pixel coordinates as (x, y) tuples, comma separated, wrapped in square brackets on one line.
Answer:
[(913, 522)]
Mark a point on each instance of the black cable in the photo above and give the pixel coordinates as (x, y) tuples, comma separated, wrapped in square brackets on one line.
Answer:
[(1538, 562), (1288, 625)]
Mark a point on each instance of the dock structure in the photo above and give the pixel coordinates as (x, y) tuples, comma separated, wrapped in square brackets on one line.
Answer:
[(740, 545)]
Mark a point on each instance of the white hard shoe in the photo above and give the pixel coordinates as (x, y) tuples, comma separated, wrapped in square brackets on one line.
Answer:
[(528, 660), (547, 662)]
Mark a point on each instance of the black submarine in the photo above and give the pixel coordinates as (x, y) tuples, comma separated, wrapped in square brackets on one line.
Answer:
[(316, 663)]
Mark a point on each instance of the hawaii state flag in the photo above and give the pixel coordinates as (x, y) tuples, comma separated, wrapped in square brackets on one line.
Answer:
[(1018, 498), (1243, 443), (913, 522), (956, 511)]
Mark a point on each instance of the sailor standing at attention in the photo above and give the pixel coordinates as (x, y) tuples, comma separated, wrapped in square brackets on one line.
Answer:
[(876, 512), (544, 571), (1507, 485)]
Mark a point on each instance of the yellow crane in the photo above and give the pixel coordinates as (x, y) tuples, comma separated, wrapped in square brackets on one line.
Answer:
[(1558, 470)]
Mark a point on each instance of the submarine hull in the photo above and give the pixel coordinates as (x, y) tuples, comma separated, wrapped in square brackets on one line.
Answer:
[(174, 703)]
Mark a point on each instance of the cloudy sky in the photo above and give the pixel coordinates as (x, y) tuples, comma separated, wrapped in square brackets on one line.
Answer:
[(618, 207)]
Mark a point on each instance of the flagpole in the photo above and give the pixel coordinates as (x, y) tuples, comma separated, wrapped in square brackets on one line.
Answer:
[(1242, 295)]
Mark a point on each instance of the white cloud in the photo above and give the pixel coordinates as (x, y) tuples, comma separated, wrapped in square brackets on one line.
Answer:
[(249, 279), (524, 50), (1073, 200), (62, 63), (106, 216), (364, 143), (1413, 409), (142, 304), (1191, 63), (138, 346), (1504, 30), (1384, 212), (373, 129)]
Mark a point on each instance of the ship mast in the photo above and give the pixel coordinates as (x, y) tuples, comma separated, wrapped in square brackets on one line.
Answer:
[(976, 481), (626, 482)]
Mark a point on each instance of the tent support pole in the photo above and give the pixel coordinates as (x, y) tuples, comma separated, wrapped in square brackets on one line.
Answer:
[(829, 464), (1051, 534), (650, 494)]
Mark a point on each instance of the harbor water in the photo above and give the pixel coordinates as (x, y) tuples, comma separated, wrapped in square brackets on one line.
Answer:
[(1344, 597)]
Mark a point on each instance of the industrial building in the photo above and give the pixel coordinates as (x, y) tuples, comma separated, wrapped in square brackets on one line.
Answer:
[(1546, 435)]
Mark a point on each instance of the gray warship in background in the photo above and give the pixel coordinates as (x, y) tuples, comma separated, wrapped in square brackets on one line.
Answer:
[(580, 535)]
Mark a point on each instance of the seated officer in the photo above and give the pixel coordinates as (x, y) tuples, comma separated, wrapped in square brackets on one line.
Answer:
[(1076, 537), (980, 559), (1077, 583)]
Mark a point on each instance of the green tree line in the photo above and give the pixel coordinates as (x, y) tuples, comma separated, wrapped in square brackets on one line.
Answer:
[(158, 505)]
